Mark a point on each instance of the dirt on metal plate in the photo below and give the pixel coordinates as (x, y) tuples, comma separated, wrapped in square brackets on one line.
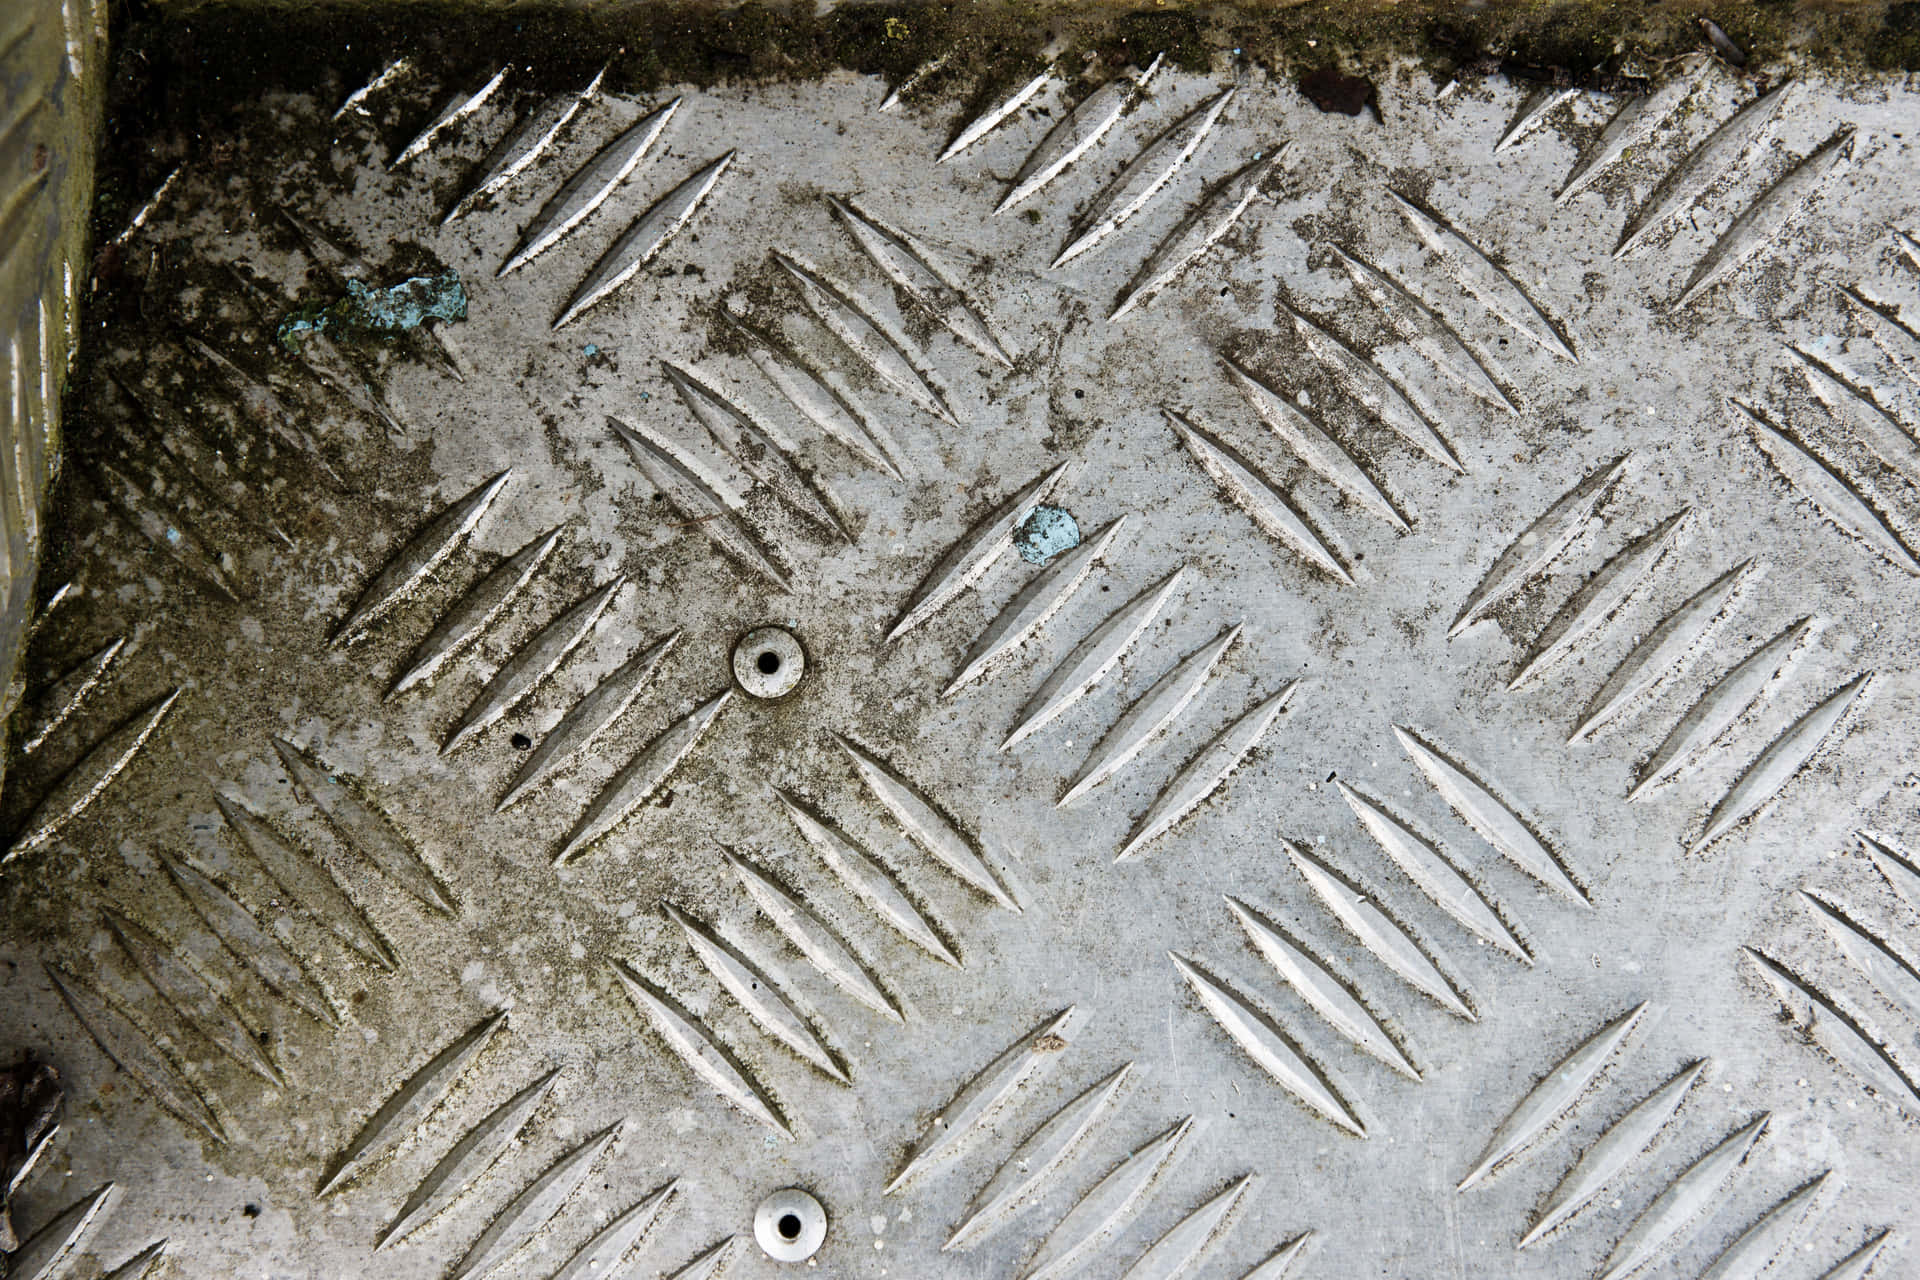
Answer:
[(1351, 726)]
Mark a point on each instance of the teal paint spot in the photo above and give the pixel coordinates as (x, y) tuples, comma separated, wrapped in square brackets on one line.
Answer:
[(404, 307), (592, 348), (1045, 534)]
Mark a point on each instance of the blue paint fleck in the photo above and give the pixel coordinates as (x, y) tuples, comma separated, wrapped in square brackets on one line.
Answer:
[(1045, 534), (405, 306), (592, 349)]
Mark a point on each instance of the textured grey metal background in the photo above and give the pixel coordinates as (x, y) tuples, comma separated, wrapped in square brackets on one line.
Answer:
[(274, 540)]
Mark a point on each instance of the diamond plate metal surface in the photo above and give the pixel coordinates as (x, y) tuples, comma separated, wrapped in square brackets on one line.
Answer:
[(1444, 816), (52, 64)]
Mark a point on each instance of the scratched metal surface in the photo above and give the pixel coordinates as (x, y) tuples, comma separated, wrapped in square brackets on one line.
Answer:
[(1363, 921)]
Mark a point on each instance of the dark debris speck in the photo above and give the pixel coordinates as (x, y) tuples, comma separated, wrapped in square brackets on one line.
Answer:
[(1333, 90)]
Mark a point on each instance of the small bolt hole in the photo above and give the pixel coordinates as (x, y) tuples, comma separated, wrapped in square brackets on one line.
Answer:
[(768, 662), (789, 1222)]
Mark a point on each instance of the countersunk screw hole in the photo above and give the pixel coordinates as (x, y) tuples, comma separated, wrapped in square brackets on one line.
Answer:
[(790, 1225), (768, 662)]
